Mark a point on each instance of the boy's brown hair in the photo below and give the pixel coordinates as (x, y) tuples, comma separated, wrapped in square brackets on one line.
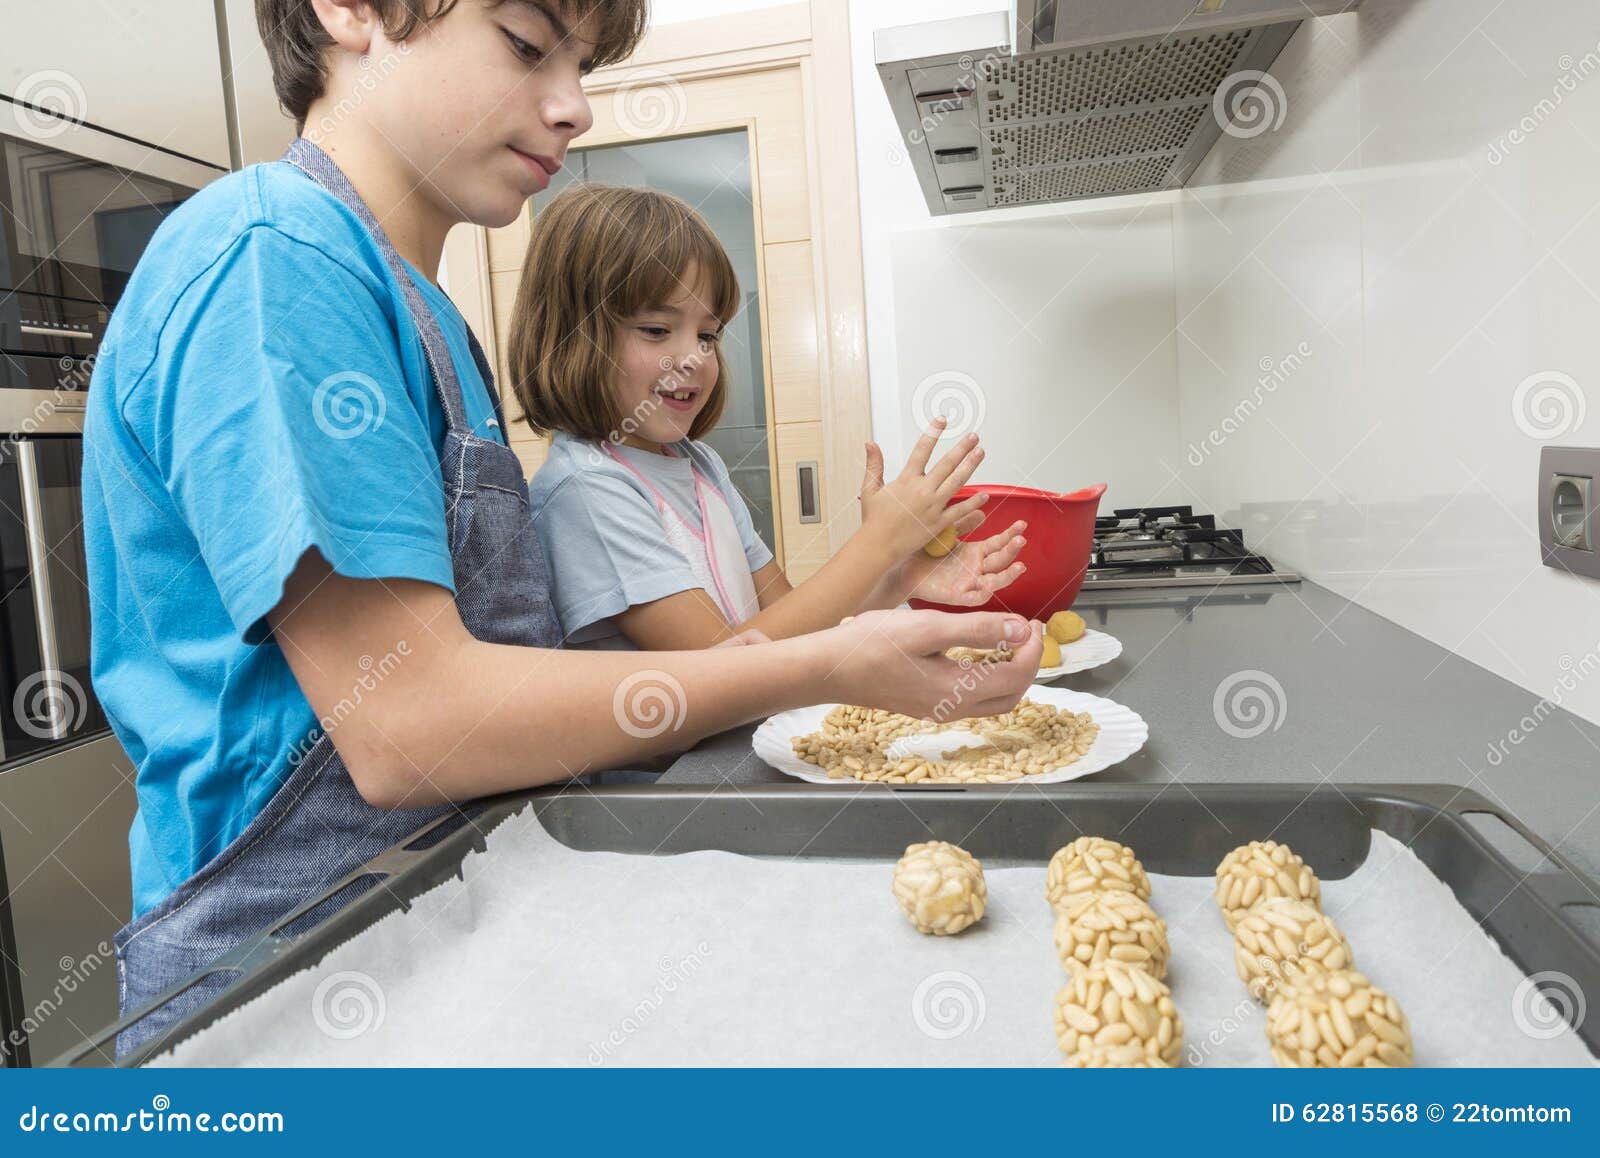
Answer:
[(296, 40), (599, 255)]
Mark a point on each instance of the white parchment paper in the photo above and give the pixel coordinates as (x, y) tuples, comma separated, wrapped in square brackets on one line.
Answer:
[(546, 956)]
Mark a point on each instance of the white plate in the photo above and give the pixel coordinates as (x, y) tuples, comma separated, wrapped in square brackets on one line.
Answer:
[(1122, 733), (1091, 649)]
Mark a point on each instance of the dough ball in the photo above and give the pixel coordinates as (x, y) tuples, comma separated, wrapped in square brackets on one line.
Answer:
[(1051, 655), (1280, 940), (1116, 1004), (1113, 1057), (1336, 1020), (940, 887), (1093, 864), (1263, 870), (1065, 626), (1111, 926), (941, 544)]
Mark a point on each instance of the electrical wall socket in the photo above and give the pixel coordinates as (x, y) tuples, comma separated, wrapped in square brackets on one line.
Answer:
[(1569, 488)]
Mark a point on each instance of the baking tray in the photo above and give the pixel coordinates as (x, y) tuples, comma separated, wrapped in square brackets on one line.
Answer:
[(1529, 914)]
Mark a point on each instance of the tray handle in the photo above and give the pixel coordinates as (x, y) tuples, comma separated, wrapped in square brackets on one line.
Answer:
[(1566, 885), (274, 941)]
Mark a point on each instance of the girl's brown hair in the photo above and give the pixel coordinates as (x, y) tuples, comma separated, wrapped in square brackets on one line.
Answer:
[(599, 255)]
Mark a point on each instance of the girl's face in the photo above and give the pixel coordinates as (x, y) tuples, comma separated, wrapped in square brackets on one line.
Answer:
[(668, 365)]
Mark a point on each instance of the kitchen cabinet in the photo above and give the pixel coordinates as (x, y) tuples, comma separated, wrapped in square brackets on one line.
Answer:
[(147, 70), (64, 822)]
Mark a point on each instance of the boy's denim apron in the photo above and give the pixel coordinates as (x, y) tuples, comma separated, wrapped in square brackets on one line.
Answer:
[(316, 828)]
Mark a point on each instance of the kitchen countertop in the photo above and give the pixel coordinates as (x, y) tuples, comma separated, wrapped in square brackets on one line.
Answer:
[(1362, 701)]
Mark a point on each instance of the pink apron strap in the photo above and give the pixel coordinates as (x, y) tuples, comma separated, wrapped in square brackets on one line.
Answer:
[(700, 487), (662, 502)]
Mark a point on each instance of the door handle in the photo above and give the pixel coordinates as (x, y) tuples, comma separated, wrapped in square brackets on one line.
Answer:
[(44, 611), (806, 485)]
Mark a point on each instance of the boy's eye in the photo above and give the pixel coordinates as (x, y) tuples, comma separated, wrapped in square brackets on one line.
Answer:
[(528, 52)]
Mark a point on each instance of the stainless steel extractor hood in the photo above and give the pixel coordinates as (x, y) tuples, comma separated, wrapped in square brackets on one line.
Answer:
[(1057, 100)]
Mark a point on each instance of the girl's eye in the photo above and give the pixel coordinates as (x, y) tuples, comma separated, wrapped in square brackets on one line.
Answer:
[(522, 48), (711, 339), (654, 331)]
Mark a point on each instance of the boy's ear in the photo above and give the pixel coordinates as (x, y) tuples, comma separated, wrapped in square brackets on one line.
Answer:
[(351, 23)]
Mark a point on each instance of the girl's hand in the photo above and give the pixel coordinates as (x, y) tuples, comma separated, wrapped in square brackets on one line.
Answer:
[(904, 514), (971, 572)]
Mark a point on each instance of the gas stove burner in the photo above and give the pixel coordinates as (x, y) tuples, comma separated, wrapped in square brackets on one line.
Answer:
[(1172, 546)]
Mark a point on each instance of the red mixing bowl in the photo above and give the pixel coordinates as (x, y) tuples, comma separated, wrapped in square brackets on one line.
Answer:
[(1060, 535)]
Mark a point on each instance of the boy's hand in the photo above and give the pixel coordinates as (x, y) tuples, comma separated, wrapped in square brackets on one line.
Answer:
[(896, 660), (971, 572), (904, 514)]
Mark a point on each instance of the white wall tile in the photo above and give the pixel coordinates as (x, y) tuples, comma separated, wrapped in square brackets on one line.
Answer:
[(1433, 260)]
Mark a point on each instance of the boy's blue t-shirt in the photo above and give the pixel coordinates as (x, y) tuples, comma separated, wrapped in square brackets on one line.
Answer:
[(261, 391)]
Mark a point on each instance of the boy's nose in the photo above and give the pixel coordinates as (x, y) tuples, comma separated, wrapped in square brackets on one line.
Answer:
[(566, 110)]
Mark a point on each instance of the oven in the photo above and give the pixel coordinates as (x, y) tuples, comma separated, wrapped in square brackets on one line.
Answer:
[(77, 207)]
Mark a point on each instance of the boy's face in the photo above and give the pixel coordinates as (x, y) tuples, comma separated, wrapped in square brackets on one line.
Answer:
[(490, 101), (668, 364)]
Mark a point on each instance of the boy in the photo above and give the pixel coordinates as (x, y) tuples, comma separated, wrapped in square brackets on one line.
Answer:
[(321, 615)]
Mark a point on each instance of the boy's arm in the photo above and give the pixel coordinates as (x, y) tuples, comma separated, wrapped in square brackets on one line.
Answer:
[(458, 718)]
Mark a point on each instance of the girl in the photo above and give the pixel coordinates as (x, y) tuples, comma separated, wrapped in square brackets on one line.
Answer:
[(614, 350)]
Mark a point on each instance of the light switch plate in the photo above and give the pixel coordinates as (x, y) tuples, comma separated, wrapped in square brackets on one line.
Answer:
[(1568, 529)]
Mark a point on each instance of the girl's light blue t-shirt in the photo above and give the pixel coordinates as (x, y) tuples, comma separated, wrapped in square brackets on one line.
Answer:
[(261, 392), (601, 533)]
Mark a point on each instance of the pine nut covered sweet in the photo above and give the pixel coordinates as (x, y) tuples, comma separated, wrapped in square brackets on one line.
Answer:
[(1113, 1057), (1281, 939), (941, 887), (1263, 870), (1111, 926), (1094, 864), (1030, 739), (1114, 1004), (1337, 1020)]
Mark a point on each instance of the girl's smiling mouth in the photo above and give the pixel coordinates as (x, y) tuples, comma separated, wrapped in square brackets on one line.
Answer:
[(675, 397)]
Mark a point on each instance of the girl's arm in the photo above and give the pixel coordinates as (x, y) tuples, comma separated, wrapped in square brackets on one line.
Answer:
[(880, 566)]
